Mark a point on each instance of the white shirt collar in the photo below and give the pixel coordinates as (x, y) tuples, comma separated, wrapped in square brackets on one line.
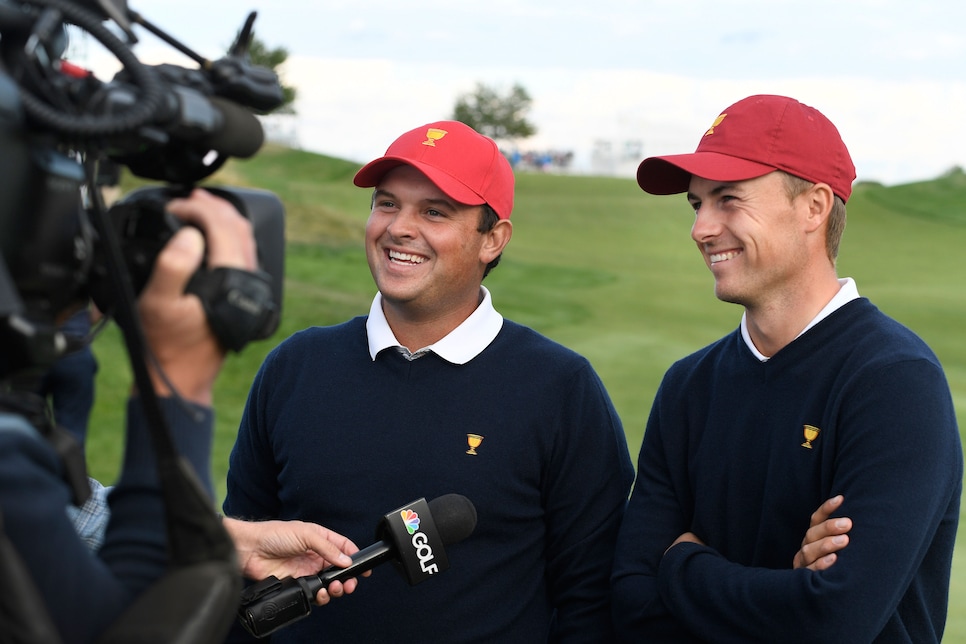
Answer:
[(848, 291), (459, 346)]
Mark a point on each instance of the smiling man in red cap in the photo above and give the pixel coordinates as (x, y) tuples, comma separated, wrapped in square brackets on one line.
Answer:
[(432, 393), (816, 395)]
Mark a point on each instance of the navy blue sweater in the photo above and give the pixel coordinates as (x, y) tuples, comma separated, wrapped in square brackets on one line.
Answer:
[(331, 436), (724, 456), (86, 592)]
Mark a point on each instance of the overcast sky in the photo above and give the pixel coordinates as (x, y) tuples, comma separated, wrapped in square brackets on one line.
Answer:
[(635, 78)]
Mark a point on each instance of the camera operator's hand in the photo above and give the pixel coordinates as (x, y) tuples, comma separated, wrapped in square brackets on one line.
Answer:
[(291, 549), (174, 323)]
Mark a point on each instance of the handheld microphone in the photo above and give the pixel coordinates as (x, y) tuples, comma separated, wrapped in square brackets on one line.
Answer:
[(412, 537)]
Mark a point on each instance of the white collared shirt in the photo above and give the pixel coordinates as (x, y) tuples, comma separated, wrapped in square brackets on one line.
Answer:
[(848, 291), (459, 346)]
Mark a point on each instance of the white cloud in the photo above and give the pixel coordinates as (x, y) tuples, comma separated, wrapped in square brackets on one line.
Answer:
[(896, 131), (889, 74)]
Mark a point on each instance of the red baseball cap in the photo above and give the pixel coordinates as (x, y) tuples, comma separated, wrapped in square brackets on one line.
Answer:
[(755, 136), (463, 163)]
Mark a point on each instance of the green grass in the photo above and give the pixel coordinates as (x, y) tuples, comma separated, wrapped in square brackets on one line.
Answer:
[(597, 265)]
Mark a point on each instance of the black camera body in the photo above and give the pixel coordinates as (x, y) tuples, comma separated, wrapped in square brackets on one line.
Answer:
[(58, 242), (240, 306), (144, 227)]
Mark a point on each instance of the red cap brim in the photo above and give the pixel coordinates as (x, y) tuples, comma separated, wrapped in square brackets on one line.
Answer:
[(669, 175), (372, 173)]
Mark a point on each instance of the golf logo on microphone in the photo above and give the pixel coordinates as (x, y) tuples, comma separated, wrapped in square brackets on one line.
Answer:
[(421, 552), (410, 520)]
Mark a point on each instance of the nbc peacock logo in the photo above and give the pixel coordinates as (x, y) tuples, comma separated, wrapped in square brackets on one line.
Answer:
[(410, 520)]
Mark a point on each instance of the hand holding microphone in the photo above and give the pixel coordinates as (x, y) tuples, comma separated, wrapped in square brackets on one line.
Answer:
[(412, 537)]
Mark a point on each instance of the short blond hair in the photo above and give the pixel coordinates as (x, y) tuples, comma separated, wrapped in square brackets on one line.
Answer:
[(795, 186)]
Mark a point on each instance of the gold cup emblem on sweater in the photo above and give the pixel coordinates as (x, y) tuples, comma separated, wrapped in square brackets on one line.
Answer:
[(473, 440), (811, 433)]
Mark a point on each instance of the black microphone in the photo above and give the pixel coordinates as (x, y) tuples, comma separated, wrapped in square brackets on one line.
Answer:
[(412, 537), (177, 143), (238, 132), (211, 122)]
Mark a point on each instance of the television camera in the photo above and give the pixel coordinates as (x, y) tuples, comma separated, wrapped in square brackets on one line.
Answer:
[(61, 132)]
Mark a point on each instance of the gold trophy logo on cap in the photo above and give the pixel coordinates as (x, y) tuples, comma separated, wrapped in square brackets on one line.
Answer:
[(433, 135)]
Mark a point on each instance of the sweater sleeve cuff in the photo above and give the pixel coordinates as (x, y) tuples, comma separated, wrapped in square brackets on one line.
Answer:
[(191, 427)]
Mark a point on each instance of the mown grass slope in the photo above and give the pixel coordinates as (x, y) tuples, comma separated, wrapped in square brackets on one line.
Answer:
[(597, 265)]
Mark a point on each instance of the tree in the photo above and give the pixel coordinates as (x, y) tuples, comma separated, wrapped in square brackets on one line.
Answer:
[(261, 55), (496, 116)]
